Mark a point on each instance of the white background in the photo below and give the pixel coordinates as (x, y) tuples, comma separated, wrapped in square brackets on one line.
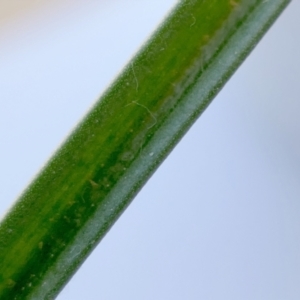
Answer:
[(220, 219)]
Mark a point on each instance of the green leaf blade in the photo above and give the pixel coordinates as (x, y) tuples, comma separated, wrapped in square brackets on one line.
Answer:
[(78, 196)]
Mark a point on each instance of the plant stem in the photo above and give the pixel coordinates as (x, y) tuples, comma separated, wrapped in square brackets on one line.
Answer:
[(89, 182)]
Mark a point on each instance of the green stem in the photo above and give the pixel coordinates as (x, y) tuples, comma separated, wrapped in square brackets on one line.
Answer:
[(89, 182)]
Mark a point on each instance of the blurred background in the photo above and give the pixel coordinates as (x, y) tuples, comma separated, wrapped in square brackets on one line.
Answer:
[(220, 219)]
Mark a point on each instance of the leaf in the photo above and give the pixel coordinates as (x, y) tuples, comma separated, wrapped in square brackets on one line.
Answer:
[(89, 182)]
